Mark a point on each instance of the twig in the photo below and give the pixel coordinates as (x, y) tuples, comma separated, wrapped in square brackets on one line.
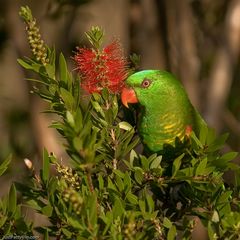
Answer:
[(89, 179)]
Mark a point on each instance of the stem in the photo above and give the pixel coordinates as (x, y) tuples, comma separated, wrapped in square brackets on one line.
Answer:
[(59, 226), (114, 163), (108, 105), (112, 133), (89, 180)]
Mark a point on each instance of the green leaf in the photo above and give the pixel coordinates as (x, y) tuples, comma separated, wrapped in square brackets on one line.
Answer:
[(118, 208), (115, 107), (72, 221), (132, 198), (144, 162), (4, 164), (52, 56), (34, 204), (95, 36), (223, 162), (100, 182), (46, 83), (215, 216), (211, 136), (57, 125), (53, 88), (218, 143), (125, 125), (150, 203), (111, 185), (47, 210), (78, 118), (233, 166), (25, 64), (196, 140), (63, 72), (70, 119), (119, 173), (38, 68), (224, 197), (127, 182), (201, 167), (172, 233), (135, 59), (3, 219), (78, 143), (96, 96), (167, 223), (98, 108), (203, 134), (228, 156), (67, 233), (138, 175), (46, 236), (46, 166), (7, 228), (108, 220), (211, 233), (52, 186), (92, 209), (176, 164), (133, 156), (152, 157), (50, 69), (156, 162), (131, 145), (67, 98), (12, 199), (119, 183), (142, 206)]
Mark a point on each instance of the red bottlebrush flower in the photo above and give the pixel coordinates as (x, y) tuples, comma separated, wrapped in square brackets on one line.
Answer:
[(101, 68)]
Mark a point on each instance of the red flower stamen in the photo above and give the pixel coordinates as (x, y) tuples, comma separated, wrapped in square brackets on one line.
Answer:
[(100, 69)]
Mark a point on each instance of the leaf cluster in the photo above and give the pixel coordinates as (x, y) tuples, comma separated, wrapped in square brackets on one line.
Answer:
[(11, 217)]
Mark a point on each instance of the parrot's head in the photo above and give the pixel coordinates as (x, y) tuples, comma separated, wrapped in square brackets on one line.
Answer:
[(148, 86)]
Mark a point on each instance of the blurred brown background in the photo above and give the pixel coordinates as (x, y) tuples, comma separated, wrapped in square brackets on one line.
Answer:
[(197, 40)]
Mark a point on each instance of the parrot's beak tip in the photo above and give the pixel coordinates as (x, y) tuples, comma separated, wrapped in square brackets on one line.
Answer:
[(126, 105), (128, 96)]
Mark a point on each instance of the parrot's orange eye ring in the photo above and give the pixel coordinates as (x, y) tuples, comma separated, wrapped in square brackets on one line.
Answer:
[(146, 83)]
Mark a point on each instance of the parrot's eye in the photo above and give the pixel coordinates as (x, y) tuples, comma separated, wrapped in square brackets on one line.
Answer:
[(146, 83)]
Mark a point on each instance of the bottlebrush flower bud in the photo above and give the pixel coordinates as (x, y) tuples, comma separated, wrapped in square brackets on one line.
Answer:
[(37, 45), (28, 163)]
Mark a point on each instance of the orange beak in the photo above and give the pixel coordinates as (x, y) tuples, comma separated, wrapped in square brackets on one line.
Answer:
[(128, 96)]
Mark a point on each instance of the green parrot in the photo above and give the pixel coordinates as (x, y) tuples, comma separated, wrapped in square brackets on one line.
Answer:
[(166, 116)]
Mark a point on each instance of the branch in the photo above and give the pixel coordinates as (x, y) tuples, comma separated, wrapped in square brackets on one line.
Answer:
[(183, 50), (222, 72)]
